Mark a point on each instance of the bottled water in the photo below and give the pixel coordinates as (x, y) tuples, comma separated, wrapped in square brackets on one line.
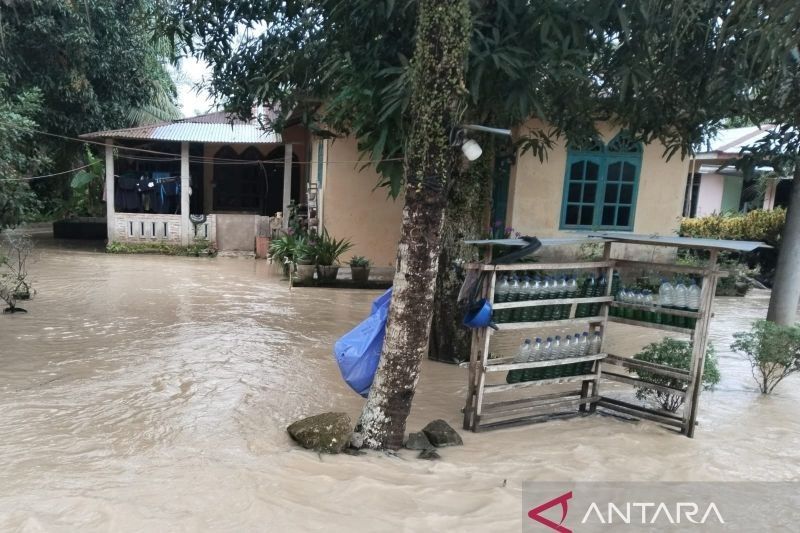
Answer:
[(502, 289), (557, 346), (524, 352), (536, 355), (587, 291), (534, 314), (524, 293), (584, 346), (681, 296), (693, 301), (666, 299), (647, 299), (602, 284), (681, 301), (597, 341), (548, 293), (560, 292), (572, 292)]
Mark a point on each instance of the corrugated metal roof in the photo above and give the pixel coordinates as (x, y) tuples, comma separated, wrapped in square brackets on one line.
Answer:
[(219, 127), (633, 238), (729, 142), (557, 241), (681, 242)]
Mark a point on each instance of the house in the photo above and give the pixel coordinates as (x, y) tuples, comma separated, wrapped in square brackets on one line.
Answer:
[(231, 176), (715, 185)]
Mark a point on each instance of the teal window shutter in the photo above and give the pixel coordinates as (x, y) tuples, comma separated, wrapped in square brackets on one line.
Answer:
[(601, 185)]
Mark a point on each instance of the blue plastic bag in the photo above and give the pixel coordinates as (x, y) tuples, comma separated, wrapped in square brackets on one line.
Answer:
[(359, 350)]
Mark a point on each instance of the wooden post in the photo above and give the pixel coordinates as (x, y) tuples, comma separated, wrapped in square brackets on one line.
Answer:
[(111, 223), (486, 337), (699, 345), (287, 182), (186, 185)]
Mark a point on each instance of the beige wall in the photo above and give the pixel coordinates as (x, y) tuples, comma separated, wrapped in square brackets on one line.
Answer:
[(536, 189), (354, 209)]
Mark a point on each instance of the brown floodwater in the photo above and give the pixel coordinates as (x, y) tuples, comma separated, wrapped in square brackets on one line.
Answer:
[(150, 393)]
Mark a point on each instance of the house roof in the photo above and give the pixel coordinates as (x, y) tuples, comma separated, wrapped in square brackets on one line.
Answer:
[(728, 143), (217, 127)]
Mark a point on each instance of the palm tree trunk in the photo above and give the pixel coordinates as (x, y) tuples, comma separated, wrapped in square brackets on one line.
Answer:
[(442, 43), (786, 285)]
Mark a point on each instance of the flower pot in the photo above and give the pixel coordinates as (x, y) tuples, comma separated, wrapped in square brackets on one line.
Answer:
[(262, 246), (327, 273), (305, 273), (359, 275)]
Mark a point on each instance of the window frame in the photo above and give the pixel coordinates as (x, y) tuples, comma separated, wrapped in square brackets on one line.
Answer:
[(605, 159)]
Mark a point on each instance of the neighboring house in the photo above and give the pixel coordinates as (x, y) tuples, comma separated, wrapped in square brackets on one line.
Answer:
[(240, 174), (715, 185)]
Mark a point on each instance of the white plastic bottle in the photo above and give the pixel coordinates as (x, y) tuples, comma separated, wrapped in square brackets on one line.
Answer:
[(585, 343), (597, 341), (666, 294), (681, 296), (693, 297)]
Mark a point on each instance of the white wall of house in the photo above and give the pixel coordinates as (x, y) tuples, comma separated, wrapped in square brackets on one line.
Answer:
[(709, 194)]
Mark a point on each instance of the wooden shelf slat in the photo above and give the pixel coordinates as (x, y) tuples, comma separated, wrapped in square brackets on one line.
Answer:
[(640, 412), (535, 383), (554, 301), (677, 373), (657, 309), (549, 323), (545, 405), (651, 325), (641, 383), (543, 364), (578, 265)]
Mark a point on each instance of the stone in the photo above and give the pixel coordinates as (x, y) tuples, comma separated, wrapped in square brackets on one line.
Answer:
[(441, 434), (418, 441), (429, 455), (323, 433)]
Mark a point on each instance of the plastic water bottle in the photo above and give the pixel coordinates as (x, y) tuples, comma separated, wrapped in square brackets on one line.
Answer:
[(584, 346), (524, 352), (534, 314), (597, 341), (587, 291), (548, 293), (681, 297), (666, 299), (602, 284), (501, 293), (524, 294), (647, 299), (693, 302), (536, 355), (560, 292), (572, 292)]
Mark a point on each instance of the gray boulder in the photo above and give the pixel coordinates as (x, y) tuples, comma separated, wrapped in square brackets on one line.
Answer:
[(441, 434), (324, 433), (418, 441), (429, 455)]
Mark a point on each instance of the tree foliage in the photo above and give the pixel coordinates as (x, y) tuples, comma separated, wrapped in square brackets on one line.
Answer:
[(676, 354), (773, 351), (19, 156), (93, 64)]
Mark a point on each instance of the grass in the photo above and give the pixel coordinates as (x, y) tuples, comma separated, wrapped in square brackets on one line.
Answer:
[(197, 249)]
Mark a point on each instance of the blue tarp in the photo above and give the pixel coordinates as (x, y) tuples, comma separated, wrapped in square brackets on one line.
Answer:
[(359, 350)]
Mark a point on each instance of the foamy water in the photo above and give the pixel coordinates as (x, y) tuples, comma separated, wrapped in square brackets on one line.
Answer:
[(152, 394)]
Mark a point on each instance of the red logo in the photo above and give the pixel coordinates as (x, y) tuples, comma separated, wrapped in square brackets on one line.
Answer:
[(535, 513)]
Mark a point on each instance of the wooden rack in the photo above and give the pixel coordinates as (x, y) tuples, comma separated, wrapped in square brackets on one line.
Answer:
[(536, 405)]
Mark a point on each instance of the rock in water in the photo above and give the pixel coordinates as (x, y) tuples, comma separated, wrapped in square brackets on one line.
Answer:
[(429, 455), (418, 441), (324, 433), (441, 434)]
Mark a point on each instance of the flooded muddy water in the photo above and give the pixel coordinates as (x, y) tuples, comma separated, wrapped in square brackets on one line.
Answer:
[(152, 394)]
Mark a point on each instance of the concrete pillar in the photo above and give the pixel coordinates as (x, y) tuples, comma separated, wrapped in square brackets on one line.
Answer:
[(769, 195), (185, 187), (111, 223), (287, 182)]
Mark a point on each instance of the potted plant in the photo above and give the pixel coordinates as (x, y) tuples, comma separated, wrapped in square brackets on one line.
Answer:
[(286, 248), (359, 269), (304, 261), (327, 252)]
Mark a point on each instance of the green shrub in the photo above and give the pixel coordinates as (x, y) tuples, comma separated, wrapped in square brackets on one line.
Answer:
[(757, 225), (359, 261), (676, 354), (773, 351), (200, 247), (327, 250)]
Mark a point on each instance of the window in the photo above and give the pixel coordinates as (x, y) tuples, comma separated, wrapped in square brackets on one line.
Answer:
[(600, 185)]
